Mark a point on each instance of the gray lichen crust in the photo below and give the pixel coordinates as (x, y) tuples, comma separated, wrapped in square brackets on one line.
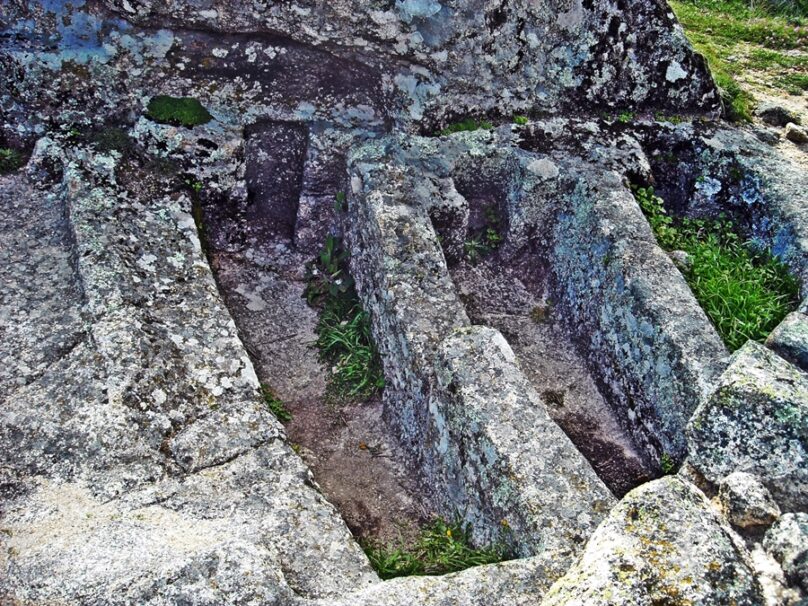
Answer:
[(138, 461), (141, 465), (501, 451), (755, 422), (661, 545)]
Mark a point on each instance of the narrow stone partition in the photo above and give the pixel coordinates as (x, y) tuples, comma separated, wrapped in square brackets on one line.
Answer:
[(467, 415), (646, 337)]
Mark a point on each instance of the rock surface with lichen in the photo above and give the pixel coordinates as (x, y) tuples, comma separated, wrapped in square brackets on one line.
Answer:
[(139, 462), (430, 60), (755, 422), (663, 544)]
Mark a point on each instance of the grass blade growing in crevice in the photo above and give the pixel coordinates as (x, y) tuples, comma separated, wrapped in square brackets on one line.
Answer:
[(441, 548), (343, 330)]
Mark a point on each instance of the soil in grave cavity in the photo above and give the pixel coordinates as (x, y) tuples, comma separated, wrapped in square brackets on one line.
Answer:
[(514, 299), (353, 457)]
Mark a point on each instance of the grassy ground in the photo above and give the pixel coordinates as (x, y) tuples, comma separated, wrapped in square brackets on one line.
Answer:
[(744, 291), (750, 45)]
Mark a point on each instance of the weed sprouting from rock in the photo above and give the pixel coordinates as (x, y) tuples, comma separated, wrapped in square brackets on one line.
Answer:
[(275, 405), (667, 464), (10, 160), (486, 239), (441, 548), (744, 290), (178, 111), (343, 331)]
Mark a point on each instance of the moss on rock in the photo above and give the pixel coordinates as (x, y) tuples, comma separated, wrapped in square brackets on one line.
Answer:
[(179, 111)]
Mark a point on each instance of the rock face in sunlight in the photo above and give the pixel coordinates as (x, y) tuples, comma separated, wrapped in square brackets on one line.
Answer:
[(177, 175), (424, 62)]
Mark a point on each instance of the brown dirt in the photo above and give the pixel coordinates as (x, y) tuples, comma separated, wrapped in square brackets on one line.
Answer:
[(354, 459)]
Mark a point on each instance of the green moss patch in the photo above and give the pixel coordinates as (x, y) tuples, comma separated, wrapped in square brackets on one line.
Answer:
[(469, 124), (744, 290), (441, 548), (179, 111)]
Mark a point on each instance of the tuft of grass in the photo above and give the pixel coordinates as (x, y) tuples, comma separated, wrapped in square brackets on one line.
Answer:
[(667, 464), (793, 84), (441, 548), (275, 405), (343, 330), (745, 291), (469, 124), (10, 160), (625, 117), (738, 104), (520, 120), (340, 200), (178, 111)]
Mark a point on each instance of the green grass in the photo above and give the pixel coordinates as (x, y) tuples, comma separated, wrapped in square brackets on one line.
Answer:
[(179, 111), (343, 330), (275, 405), (469, 124), (757, 41), (745, 291), (441, 548), (10, 160)]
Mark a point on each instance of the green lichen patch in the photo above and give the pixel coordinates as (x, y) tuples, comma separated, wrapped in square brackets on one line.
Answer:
[(744, 290), (441, 548), (178, 111), (10, 160)]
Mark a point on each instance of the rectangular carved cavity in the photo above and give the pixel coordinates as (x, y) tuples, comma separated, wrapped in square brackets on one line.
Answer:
[(279, 72), (275, 154), (577, 285), (469, 418)]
